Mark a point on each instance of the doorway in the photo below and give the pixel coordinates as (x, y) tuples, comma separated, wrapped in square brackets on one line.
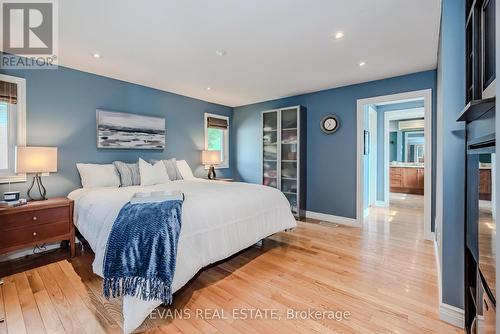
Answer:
[(394, 155)]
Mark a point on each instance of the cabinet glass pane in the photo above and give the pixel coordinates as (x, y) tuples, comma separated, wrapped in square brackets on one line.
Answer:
[(489, 43), (288, 170), (270, 136), (270, 149), (270, 121), (289, 152), (288, 155), (270, 174), (293, 202), (289, 186), (270, 152), (289, 119), (289, 136), (469, 63)]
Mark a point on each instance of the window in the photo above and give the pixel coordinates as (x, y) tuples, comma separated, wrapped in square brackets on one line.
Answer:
[(217, 137), (12, 126), (4, 136)]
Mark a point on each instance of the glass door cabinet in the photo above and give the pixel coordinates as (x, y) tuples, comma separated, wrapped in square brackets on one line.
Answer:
[(283, 154)]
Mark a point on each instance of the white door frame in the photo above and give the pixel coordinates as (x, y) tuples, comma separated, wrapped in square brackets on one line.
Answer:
[(372, 115), (426, 95), (394, 116)]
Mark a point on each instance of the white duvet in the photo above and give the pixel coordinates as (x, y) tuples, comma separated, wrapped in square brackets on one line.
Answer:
[(218, 220)]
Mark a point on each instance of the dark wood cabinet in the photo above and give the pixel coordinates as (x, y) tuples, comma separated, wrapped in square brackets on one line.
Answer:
[(37, 223), (485, 184), (420, 178), (408, 180), (396, 177)]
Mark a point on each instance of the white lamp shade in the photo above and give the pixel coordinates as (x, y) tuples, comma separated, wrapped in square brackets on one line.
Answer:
[(210, 157), (36, 159)]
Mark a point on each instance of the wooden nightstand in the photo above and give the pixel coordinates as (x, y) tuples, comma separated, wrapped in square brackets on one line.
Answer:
[(36, 223)]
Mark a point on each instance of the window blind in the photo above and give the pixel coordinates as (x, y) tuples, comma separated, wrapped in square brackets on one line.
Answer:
[(8, 92), (216, 123)]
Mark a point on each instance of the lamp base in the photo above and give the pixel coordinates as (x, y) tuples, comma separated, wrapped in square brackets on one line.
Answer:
[(211, 173), (37, 179)]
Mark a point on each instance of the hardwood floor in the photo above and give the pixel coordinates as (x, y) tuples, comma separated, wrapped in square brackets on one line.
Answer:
[(384, 275)]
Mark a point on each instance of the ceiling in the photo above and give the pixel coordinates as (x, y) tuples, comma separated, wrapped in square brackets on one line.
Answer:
[(273, 48)]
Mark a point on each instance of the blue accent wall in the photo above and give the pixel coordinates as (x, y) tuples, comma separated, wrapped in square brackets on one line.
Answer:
[(331, 159), (452, 69), (61, 111)]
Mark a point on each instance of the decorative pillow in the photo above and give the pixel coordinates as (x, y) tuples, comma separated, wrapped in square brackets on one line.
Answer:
[(129, 173), (185, 170), (94, 175), (171, 167), (172, 170), (152, 174)]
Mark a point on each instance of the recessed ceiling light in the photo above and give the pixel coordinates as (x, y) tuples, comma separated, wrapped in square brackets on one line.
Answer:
[(209, 88), (363, 63), (339, 35), (96, 55), (221, 52)]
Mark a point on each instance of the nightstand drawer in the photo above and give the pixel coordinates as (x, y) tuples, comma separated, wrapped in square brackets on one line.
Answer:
[(33, 218), (33, 234), (37, 222)]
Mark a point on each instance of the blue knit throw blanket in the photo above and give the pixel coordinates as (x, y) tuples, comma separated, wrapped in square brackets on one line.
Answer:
[(141, 251)]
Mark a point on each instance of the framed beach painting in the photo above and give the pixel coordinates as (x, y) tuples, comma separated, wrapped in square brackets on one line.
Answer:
[(129, 131)]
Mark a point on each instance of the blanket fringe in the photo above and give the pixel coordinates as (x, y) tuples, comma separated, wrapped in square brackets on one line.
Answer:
[(143, 288)]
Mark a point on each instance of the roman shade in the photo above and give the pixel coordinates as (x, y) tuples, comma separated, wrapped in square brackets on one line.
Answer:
[(8, 92), (216, 123)]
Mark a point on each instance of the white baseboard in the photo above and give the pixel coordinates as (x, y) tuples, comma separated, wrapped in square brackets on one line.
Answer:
[(451, 314), (448, 313), (382, 204), (438, 266), (333, 219)]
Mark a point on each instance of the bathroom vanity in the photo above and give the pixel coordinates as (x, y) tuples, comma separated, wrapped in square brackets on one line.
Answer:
[(407, 179)]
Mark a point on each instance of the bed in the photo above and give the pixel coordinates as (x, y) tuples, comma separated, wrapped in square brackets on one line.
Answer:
[(219, 219)]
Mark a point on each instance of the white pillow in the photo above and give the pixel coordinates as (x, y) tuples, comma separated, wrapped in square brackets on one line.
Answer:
[(185, 170), (94, 175), (152, 174)]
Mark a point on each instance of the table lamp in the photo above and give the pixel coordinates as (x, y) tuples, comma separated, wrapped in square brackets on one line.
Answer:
[(210, 158), (36, 160)]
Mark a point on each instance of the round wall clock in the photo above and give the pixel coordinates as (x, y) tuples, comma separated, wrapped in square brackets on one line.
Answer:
[(329, 124)]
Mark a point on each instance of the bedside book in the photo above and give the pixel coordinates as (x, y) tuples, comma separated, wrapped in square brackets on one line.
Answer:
[(12, 204)]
